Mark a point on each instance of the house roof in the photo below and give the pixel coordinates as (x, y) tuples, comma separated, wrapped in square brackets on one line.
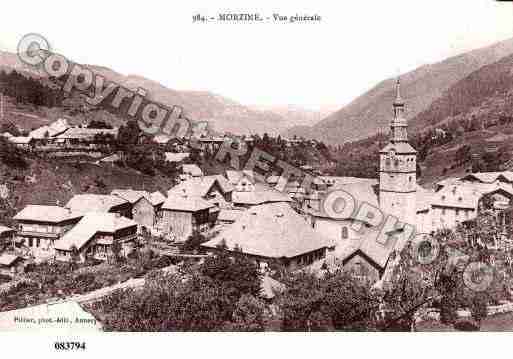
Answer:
[(51, 214), (111, 158), (185, 203), (458, 196), (4, 229), (192, 169), (94, 202), (8, 259), (260, 195), (200, 186), (342, 180), (176, 157), (84, 133), (367, 191), (364, 191), (447, 181), (20, 139), (235, 176), (55, 128), (229, 215), (467, 195), (378, 252), (131, 195), (272, 231), (489, 177), (157, 198), (89, 225), (162, 139)]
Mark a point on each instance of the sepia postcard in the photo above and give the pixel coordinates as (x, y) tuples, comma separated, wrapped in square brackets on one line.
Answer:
[(270, 167)]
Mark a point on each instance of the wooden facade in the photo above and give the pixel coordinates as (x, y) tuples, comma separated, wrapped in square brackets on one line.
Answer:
[(40, 237), (100, 246), (143, 212), (180, 224)]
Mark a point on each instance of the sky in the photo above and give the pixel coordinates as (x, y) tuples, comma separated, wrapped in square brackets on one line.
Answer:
[(315, 65)]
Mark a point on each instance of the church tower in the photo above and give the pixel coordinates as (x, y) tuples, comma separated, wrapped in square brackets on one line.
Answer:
[(397, 168)]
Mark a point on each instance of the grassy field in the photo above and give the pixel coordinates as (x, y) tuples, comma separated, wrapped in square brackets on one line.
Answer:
[(52, 182)]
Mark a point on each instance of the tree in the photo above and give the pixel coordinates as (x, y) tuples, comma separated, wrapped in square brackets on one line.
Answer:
[(249, 315), (478, 307), (193, 242), (128, 135), (75, 256), (116, 249), (237, 274)]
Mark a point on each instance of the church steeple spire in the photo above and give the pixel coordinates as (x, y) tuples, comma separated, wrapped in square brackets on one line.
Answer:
[(399, 125), (398, 99)]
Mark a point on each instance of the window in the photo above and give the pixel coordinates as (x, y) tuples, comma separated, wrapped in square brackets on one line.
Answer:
[(345, 233), (443, 212)]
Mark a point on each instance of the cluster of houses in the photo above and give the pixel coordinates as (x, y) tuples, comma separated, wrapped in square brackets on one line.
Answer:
[(60, 134), (233, 207)]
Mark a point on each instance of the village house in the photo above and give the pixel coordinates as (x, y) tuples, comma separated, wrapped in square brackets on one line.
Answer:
[(261, 194), (214, 189), (41, 227), (273, 233), (157, 199), (96, 236), (143, 211), (177, 157), (47, 134), (367, 259), (83, 203), (86, 137), (7, 237), (242, 181), (190, 171), (11, 264), (23, 142), (183, 214), (460, 202), (210, 144)]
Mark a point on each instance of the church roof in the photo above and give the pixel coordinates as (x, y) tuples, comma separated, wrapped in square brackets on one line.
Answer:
[(399, 147), (271, 230)]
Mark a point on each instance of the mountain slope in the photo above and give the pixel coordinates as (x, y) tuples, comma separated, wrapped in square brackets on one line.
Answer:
[(222, 113), (484, 95), (370, 113)]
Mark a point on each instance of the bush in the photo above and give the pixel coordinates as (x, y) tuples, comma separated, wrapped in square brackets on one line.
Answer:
[(466, 326)]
